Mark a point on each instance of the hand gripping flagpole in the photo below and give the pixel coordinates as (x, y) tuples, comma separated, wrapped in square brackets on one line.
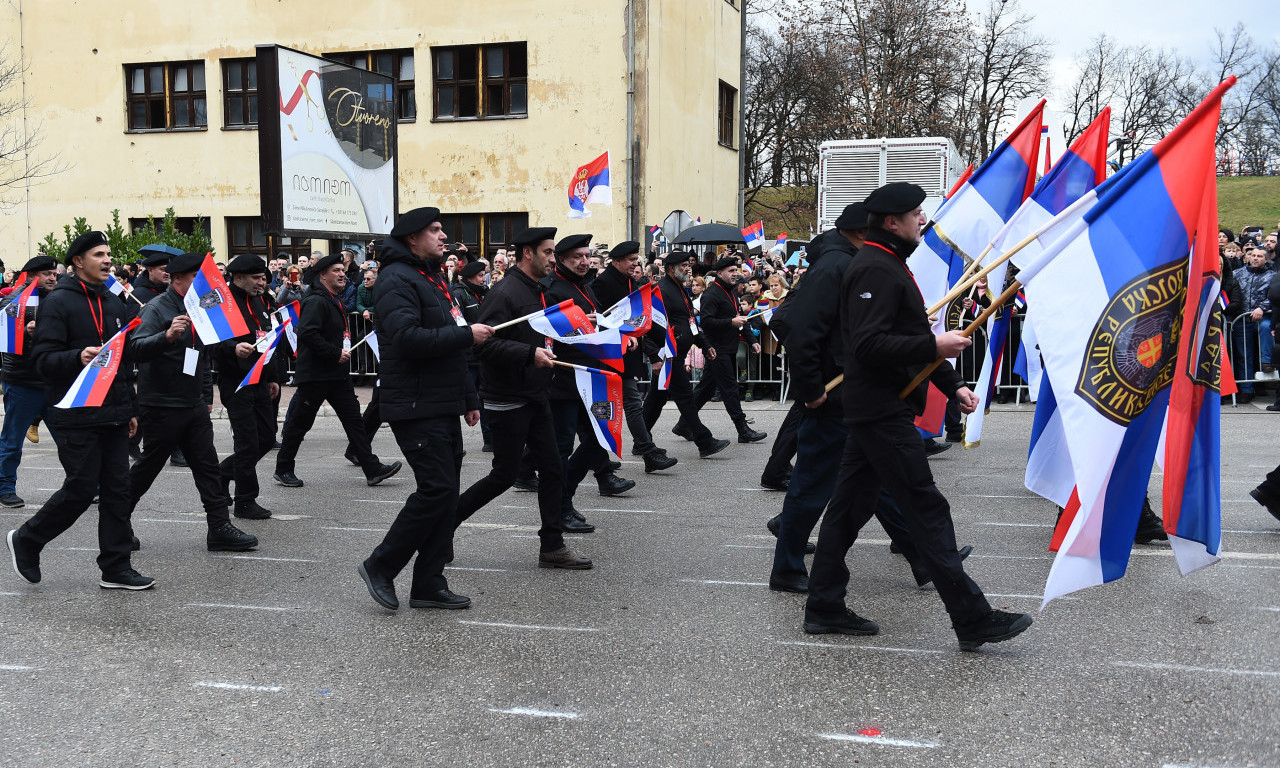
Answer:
[(1009, 293)]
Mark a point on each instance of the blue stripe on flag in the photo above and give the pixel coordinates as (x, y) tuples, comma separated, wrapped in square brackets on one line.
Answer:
[(1136, 229), (1069, 180), (1002, 182), (1127, 487)]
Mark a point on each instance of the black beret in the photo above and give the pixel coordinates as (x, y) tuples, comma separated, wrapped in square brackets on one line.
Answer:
[(725, 262), (853, 217), (328, 261), (472, 269), (187, 262), (248, 264), (895, 198), (415, 220), (155, 259), (85, 242), (40, 263), (676, 257), (624, 249), (573, 243), (533, 236)]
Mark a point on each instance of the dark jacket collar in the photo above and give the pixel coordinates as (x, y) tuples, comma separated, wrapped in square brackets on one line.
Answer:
[(568, 276), (896, 245)]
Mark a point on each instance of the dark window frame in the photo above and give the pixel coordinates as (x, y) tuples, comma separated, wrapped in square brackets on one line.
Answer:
[(405, 91), (164, 97), (486, 226), (260, 243), (478, 88), (184, 224), (726, 116), (239, 92)]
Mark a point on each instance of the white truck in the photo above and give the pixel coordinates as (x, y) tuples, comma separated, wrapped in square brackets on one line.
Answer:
[(849, 170)]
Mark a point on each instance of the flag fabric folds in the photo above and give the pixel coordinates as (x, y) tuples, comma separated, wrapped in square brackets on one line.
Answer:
[(668, 356), (754, 235), (91, 386), (371, 338), (561, 320), (13, 320), (114, 285), (601, 394), (268, 350), (590, 184), (288, 312), (606, 345), (633, 314), (213, 311), (1110, 297), (781, 243)]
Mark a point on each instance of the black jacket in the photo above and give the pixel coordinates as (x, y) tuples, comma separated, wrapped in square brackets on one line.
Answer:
[(679, 311), (719, 307), (815, 347), (424, 362), (321, 325), (886, 334), (145, 290), (507, 372), (232, 368), (66, 327), (563, 285), (161, 382), (20, 370), (611, 286), (469, 297)]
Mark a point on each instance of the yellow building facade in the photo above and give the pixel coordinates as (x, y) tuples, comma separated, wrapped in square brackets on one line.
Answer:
[(151, 105)]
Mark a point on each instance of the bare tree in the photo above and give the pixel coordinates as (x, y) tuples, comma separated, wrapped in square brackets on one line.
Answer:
[(20, 163)]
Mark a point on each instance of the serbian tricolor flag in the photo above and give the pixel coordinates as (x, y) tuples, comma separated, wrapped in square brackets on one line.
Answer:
[(13, 319), (657, 307), (781, 243), (633, 314), (288, 314), (1080, 170), (601, 393), (970, 218), (590, 184), (668, 356), (606, 345), (114, 285), (754, 235), (1111, 301), (213, 311), (91, 386), (268, 348), (561, 320)]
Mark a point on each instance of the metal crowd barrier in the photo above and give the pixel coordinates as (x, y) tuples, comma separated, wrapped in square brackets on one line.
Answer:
[(1244, 349)]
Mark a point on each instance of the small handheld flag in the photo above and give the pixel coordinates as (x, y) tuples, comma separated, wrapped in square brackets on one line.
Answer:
[(606, 346), (288, 314), (213, 312), (633, 314), (781, 243), (590, 184), (668, 355), (371, 338), (114, 285), (91, 386), (601, 394), (13, 320), (657, 307), (560, 321), (269, 349), (754, 235)]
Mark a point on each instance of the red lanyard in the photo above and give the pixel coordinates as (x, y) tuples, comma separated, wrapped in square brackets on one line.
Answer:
[(248, 306), (345, 325), (732, 302), (97, 317), (904, 268)]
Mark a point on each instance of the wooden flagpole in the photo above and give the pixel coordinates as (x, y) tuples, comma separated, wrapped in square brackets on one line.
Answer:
[(1009, 293)]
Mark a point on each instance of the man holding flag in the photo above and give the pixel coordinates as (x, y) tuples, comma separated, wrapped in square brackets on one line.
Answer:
[(175, 395), (886, 339), (250, 409), (76, 321), (24, 401), (515, 376)]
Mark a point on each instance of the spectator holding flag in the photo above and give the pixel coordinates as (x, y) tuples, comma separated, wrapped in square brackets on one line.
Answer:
[(76, 320)]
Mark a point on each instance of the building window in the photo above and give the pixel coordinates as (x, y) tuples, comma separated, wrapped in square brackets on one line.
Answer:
[(166, 97), (481, 81), (728, 111), (397, 64), (187, 225), (245, 235), (494, 230), (240, 93)]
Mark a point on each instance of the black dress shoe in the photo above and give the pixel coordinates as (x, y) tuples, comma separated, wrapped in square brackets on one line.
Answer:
[(922, 577), (955, 437), (994, 628), (351, 457), (383, 472), (225, 537), (134, 544), (1262, 498), (612, 485), (844, 623), (933, 447), (126, 579), (712, 448), (771, 484), (177, 459), (12, 501), (26, 563), (775, 524), (571, 524), (797, 584), (381, 589), (564, 558), (287, 479), (529, 483), (251, 510), (442, 599), (680, 430), (656, 461), (1150, 526)]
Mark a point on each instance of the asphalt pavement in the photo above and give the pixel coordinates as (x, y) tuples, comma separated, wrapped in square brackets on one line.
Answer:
[(672, 651)]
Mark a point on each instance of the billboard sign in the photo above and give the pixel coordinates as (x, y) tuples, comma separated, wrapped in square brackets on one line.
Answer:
[(327, 147)]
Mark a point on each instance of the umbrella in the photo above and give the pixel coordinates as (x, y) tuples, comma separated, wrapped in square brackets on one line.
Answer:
[(157, 248), (710, 234)]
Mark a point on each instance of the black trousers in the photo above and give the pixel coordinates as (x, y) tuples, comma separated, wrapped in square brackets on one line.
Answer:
[(682, 392), (188, 428), (372, 418), (778, 466), (890, 453), (571, 421), (302, 414), (253, 434), (720, 373), (531, 425), (96, 461), (433, 448)]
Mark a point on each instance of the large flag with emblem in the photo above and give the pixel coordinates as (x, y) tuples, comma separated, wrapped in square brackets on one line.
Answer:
[(590, 184), (633, 314), (13, 319), (1111, 301), (561, 320), (213, 311), (601, 393), (91, 386)]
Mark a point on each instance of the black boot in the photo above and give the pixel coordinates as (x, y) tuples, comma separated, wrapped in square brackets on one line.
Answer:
[(680, 430), (712, 447), (612, 485), (746, 434), (657, 460), (1150, 526)]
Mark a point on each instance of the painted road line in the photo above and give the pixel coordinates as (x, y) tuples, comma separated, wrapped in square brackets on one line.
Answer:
[(1188, 668), (844, 647), (637, 511), (239, 687), (10, 594), (729, 583), (747, 546), (1249, 530), (1019, 525), (378, 501), (500, 526), (281, 609), (76, 549), (880, 740), (504, 625), (996, 496), (537, 713), (1028, 597), (337, 528), (535, 536), (484, 570), (1011, 557), (1272, 608), (16, 668), (1226, 555), (166, 520), (267, 559)]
